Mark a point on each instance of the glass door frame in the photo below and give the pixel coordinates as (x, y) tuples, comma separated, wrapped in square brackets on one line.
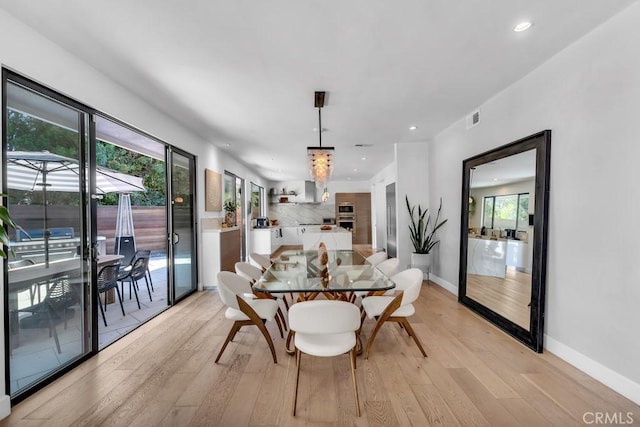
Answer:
[(172, 235), (87, 220)]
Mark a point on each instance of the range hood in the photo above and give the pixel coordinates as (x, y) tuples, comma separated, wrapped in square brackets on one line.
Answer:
[(309, 192)]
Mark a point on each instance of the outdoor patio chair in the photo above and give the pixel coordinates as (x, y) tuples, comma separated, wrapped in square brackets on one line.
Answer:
[(55, 308), (139, 262), (107, 280)]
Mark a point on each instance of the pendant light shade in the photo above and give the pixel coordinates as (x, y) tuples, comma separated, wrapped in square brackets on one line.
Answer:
[(320, 159)]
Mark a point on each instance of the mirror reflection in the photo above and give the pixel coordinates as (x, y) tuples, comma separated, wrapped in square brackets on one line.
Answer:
[(500, 235), (503, 262)]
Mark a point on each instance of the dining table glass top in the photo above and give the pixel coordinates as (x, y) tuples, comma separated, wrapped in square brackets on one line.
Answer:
[(302, 271)]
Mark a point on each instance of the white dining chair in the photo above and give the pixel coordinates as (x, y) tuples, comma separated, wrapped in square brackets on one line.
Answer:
[(389, 308), (244, 311), (253, 274), (389, 267), (325, 328), (376, 258), (262, 260)]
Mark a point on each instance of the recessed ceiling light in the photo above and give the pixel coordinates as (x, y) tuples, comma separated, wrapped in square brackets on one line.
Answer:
[(355, 169), (522, 26), (413, 127), (364, 158)]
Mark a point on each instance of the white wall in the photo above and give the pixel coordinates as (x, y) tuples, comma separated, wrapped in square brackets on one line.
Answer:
[(379, 204), (26, 52), (589, 96), (412, 180)]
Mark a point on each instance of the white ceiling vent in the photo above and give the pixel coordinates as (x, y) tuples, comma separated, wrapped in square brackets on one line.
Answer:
[(473, 119)]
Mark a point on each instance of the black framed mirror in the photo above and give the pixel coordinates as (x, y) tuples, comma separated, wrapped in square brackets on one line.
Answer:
[(503, 236)]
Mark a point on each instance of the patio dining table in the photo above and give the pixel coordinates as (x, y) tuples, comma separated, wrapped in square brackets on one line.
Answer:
[(345, 274)]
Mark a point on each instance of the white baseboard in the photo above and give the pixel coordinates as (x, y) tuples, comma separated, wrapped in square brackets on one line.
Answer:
[(605, 375), (5, 406), (444, 284)]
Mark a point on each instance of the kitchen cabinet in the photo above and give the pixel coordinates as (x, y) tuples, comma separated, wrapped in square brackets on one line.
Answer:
[(261, 240), (276, 238), (362, 211), (221, 251), (290, 236)]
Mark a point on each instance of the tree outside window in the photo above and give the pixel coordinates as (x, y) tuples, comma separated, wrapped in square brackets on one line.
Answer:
[(506, 212)]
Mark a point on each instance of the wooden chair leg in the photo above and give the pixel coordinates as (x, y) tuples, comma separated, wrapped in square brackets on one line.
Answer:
[(230, 335), (256, 320), (277, 319), (295, 392), (352, 357), (391, 308), (267, 337), (284, 321), (413, 335), (376, 328)]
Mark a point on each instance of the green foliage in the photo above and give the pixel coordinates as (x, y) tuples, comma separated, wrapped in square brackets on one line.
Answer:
[(5, 220), (27, 133), (230, 206), (423, 238), (132, 163)]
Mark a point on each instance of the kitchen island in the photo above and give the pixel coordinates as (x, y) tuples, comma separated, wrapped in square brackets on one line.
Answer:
[(488, 257), (334, 239)]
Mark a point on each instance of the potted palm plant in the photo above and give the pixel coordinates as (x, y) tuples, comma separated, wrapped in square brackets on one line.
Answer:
[(230, 208), (423, 235)]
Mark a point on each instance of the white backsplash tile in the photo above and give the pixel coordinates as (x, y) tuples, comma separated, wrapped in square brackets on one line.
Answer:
[(291, 214)]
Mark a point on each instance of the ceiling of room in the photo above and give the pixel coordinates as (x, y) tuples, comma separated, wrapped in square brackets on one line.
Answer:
[(242, 74)]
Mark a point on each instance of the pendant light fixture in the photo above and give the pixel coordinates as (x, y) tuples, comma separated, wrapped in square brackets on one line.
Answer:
[(320, 158)]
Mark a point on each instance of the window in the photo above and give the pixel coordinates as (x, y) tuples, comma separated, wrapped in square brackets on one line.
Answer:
[(510, 211), (257, 194)]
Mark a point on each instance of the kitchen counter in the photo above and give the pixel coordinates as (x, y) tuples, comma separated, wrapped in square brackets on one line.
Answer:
[(336, 238), (488, 257)]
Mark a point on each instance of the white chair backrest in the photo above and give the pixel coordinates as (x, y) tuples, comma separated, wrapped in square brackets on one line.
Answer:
[(324, 317), (410, 282), (248, 271), (389, 266), (230, 285), (261, 260), (376, 258)]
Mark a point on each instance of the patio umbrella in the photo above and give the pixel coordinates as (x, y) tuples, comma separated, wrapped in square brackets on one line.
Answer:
[(44, 171)]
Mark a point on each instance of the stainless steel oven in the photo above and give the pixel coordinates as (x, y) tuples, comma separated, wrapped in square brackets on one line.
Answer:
[(346, 208), (349, 224)]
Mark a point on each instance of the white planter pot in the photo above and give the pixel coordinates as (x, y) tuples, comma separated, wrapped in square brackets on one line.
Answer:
[(423, 262)]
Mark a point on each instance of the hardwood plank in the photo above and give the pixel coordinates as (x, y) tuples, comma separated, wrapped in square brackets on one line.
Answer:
[(433, 405), (491, 409), (163, 374)]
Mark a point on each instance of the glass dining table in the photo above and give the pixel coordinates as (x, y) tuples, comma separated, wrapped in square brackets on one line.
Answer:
[(334, 274), (339, 275)]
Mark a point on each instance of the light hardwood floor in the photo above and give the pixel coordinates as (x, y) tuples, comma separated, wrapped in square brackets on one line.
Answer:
[(163, 374), (509, 296)]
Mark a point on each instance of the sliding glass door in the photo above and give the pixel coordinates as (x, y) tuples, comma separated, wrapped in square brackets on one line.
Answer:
[(47, 292), (90, 196), (183, 225)]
